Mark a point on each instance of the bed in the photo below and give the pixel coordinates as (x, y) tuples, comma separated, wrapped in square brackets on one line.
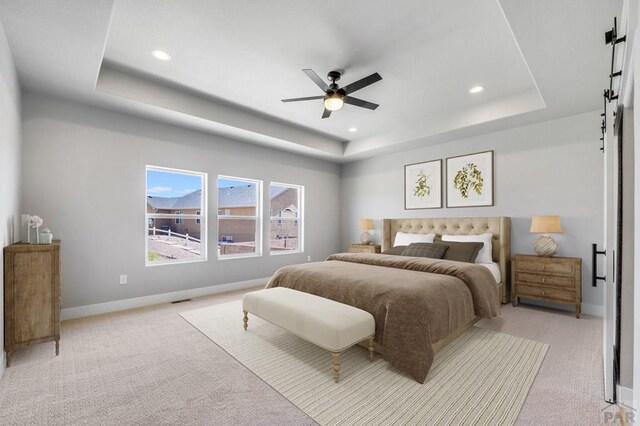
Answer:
[(419, 304), (499, 227)]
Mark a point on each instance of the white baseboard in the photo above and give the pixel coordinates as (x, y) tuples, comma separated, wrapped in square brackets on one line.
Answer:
[(625, 397), (4, 364), (137, 302), (596, 310), (585, 308)]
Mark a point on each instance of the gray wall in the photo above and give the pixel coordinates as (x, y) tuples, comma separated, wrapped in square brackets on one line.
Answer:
[(84, 174), (551, 168), (9, 158)]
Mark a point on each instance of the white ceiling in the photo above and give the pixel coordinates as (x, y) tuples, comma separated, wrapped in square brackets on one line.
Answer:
[(234, 61)]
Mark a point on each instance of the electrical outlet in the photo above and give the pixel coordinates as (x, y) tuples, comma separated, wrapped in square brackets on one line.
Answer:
[(308, 258), (123, 279)]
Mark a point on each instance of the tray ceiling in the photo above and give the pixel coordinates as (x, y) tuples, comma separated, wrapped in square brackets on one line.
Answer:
[(232, 62)]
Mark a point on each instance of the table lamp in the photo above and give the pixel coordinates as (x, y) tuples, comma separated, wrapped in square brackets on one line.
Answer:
[(366, 225), (545, 246)]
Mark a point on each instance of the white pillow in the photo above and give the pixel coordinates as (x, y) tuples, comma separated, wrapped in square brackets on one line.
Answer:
[(484, 255), (404, 239)]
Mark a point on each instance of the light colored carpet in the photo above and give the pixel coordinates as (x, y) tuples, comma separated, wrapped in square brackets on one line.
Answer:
[(110, 365), (141, 367), (569, 387), (482, 378)]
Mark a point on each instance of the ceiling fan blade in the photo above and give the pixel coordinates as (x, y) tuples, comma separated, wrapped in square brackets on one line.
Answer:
[(362, 83), (359, 102), (326, 113), (308, 98), (316, 79)]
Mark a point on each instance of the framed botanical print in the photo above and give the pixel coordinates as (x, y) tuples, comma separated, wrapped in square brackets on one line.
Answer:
[(470, 180), (423, 185)]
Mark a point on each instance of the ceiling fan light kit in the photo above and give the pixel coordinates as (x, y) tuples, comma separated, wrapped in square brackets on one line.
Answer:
[(335, 96), (333, 102)]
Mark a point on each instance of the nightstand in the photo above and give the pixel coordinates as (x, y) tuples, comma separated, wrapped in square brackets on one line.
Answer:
[(365, 248), (552, 279)]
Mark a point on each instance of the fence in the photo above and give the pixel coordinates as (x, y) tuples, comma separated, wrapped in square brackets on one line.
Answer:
[(169, 233)]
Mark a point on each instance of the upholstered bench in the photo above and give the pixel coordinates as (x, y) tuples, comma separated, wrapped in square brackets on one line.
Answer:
[(331, 325)]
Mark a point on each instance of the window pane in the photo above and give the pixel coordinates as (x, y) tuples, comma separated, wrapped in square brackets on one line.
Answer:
[(168, 242), (284, 223), (236, 236), (236, 197), (175, 193)]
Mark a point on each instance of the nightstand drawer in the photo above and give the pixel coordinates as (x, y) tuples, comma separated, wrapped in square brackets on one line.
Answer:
[(525, 290), (549, 266), (546, 280)]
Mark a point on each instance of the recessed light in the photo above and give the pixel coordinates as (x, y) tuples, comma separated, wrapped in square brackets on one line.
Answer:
[(476, 89), (353, 129), (161, 55)]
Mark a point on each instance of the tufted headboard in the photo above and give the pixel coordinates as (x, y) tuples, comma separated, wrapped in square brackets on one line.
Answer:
[(500, 227)]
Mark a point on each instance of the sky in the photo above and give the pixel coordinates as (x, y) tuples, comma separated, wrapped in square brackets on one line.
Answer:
[(173, 184)]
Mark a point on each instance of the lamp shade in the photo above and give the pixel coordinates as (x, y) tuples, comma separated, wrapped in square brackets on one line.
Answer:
[(366, 224), (545, 225)]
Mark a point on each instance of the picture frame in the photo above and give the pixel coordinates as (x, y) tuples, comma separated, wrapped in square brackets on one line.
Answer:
[(470, 180), (423, 185)]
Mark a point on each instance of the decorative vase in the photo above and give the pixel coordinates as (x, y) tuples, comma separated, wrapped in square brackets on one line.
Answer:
[(33, 236)]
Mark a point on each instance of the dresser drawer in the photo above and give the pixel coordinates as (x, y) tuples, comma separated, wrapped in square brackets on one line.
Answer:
[(545, 293), (364, 248), (546, 280), (549, 266)]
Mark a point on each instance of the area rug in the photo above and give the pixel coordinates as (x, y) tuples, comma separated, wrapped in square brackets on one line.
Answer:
[(481, 378)]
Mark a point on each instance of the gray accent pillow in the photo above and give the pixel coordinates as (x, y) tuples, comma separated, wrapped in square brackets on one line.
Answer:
[(431, 250), (396, 251), (462, 252)]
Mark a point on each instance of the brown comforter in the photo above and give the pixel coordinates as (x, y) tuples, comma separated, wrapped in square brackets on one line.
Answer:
[(415, 301)]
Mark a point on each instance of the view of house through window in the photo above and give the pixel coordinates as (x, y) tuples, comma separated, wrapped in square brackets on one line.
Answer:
[(239, 223), (175, 216), (285, 223)]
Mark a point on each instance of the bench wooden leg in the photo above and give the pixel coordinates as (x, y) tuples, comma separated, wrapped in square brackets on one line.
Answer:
[(246, 319), (336, 366), (371, 349)]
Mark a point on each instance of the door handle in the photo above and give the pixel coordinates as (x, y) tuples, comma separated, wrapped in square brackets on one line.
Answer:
[(594, 265)]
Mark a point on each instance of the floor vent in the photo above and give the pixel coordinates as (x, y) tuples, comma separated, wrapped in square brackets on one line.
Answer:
[(180, 301)]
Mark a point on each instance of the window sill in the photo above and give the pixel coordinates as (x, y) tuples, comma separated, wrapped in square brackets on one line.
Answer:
[(147, 264), (238, 256), (285, 252)]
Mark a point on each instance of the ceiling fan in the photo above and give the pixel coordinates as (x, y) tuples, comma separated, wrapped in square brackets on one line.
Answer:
[(335, 97)]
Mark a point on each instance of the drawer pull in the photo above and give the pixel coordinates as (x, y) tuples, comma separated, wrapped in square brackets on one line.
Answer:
[(544, 280), (543, 292), (543, 267)]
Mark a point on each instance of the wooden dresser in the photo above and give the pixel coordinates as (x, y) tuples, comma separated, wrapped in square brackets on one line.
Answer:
[(552, 279), (365, 248), (31, 295)]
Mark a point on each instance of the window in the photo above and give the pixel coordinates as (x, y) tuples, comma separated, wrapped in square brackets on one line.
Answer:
[(285, 233), (179, 221), (176, 216), (239, 217)]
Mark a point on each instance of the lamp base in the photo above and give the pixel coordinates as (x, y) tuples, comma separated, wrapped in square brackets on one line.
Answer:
[(545, 246), (366, 238)]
